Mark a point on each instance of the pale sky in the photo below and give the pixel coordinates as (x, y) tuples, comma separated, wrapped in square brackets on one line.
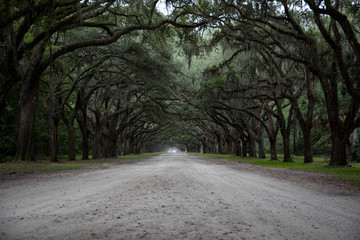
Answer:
[(161, 6)]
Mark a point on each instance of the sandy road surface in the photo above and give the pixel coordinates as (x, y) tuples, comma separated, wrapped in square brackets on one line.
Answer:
[(174, 196)]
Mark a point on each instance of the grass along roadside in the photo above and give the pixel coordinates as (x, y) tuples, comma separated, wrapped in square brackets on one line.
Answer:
[(44, 164), (319, 165)]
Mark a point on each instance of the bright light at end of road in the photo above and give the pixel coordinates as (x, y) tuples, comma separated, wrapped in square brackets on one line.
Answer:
[(172, 150)]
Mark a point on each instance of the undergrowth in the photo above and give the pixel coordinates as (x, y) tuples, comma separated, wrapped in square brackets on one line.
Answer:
[(43, 164)]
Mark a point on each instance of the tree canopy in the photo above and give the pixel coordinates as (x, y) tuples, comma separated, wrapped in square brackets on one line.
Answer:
[(107, 78)]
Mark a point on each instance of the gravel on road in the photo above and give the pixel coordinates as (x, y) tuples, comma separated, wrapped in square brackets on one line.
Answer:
[(176, 196)]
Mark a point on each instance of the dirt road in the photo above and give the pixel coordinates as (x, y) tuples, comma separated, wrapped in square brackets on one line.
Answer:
[(174, 196)]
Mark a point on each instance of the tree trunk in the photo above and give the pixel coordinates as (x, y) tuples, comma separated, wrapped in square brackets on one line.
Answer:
[(127, 146), (138, 147), (97, 143), (110, 147), (141, 148), (260, 142), (54, 139), (238, 148), (218, 142), (106, 151), (287, 151), (308, 157), (84, 142), (273, 151), (306, 125), (28, 102), (71, 139), (244, 148), (82, 122), (285, 128), (131, 146), (338, 149), (261, 148), (252, 146), (272, 132)]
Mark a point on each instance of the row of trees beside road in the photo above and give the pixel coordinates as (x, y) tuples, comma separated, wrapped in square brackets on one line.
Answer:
[(260, 73), (287, 58), (60, 47)]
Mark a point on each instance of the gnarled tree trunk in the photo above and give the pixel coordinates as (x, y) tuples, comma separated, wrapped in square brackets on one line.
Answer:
[(339, 141), (28, 103), (82, 122), (273, 150), (252, 146), (286, 148), (261, 147)]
